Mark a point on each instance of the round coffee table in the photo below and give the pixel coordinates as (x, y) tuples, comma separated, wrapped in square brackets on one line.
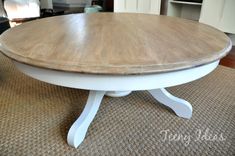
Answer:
[(113, 54)]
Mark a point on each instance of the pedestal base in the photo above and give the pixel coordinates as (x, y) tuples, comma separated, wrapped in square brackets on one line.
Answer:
[(78, 130), (117, 93)]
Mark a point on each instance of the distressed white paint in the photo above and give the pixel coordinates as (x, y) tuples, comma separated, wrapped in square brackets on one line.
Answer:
[(138, 6)]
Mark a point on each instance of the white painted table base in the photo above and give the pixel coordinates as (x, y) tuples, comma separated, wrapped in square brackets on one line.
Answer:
[(79, 128), (115, 86), (181, 107)]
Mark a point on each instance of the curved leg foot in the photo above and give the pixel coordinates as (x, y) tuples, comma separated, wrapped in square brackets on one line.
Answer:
[(181, 107), (78, 130)]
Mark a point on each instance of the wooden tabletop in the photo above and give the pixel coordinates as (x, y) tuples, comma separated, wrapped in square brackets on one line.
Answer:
[(114, 43)]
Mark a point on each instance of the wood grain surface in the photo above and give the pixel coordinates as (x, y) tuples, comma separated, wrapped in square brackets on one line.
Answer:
[(114, 43)]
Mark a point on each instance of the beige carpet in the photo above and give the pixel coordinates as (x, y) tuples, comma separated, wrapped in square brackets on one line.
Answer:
[(35, 118)]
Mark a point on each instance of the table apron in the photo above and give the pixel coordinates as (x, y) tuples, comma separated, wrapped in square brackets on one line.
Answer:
[(116, 82)]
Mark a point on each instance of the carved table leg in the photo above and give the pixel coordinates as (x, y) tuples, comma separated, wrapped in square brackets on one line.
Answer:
[(79, 128), (181, 107)]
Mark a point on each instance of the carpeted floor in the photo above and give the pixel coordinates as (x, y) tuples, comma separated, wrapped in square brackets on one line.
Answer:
[(35, 118)]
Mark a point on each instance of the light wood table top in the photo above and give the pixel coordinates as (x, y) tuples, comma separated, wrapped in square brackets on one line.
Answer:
[(114, 43)]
